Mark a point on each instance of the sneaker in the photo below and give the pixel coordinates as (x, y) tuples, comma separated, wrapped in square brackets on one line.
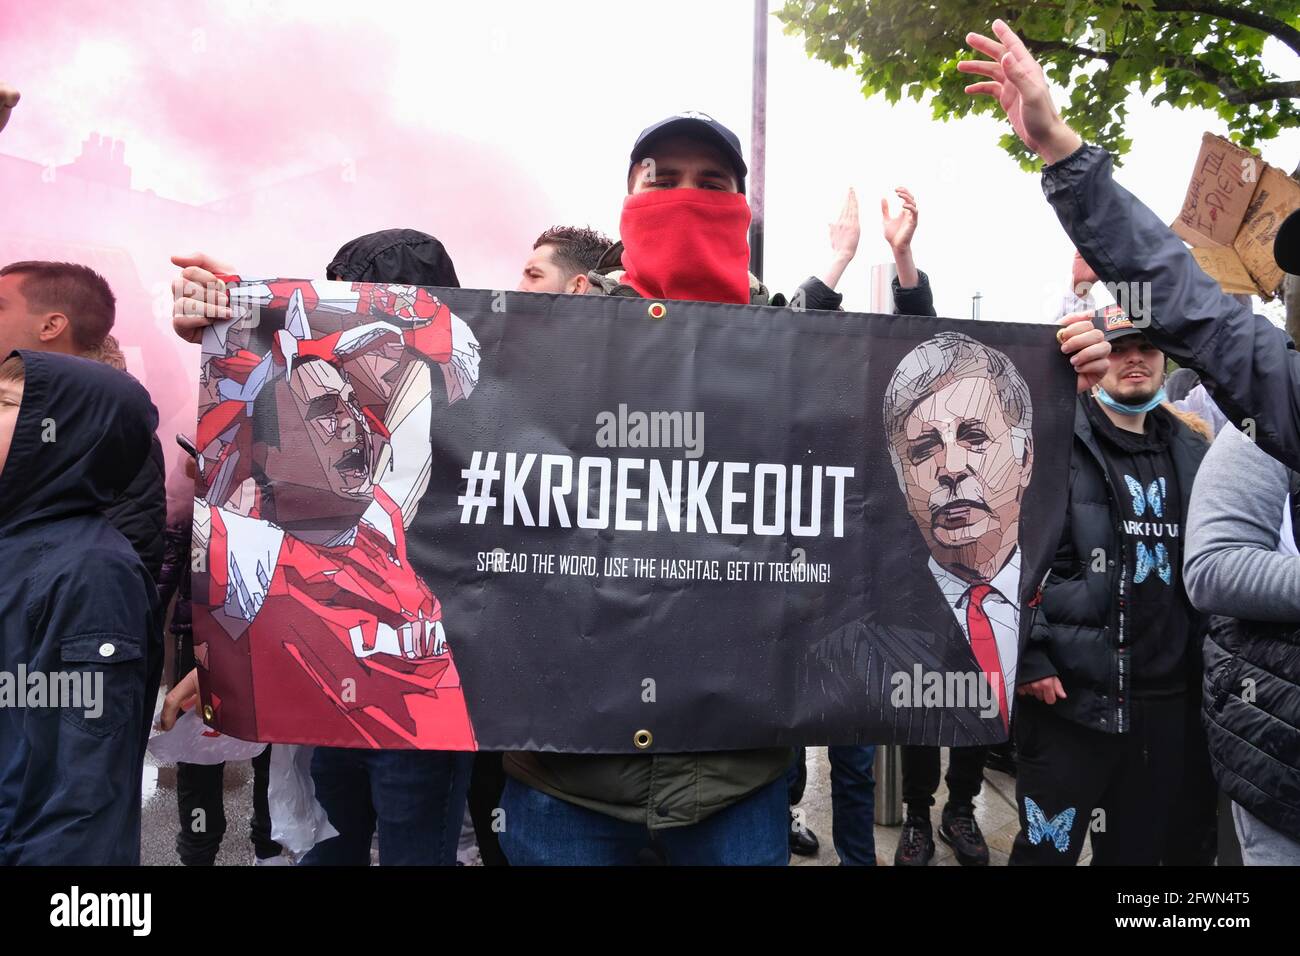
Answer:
[(915, 843), (959, 830), (281, 860), (803, 842)]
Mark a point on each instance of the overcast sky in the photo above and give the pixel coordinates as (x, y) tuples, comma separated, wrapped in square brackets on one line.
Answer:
[(215, 98)]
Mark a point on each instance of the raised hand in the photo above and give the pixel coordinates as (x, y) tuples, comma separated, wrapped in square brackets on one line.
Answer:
[(1018, 83), (8, 100), (846, 230), (1087, 347), (845, 233), (898, 230)]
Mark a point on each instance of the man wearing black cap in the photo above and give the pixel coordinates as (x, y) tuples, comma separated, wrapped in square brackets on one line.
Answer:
[(694, 244), (1114, 648), (684, 231)]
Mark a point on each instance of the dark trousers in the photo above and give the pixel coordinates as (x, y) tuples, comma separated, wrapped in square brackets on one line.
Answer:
[(796, 775), (853, 804), (414, 799), (486, 783), (921, 776), (202, 810), (1073, 780), (1193, 836)]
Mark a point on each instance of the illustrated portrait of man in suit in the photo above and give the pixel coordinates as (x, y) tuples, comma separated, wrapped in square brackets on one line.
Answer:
[(958, 424)]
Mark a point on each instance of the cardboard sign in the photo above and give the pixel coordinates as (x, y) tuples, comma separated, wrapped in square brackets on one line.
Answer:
[(1234, 205), (1226, 268), (1275, 197)]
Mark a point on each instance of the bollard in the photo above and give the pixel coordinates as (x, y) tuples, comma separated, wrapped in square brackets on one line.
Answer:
[(888, 765), (888, 771)]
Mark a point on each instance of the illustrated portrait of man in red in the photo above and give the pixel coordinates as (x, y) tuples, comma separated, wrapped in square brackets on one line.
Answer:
[(311, 625)]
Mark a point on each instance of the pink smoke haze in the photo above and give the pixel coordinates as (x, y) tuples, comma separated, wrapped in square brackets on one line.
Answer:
[(259, 136)]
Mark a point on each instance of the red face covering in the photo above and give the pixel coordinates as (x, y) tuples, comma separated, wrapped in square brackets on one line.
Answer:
[(687, 244)]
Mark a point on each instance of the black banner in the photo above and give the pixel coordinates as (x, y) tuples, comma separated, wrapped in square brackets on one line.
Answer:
[(643, 526)]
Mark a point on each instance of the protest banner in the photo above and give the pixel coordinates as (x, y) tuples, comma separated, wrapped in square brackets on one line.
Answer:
[(459, 519)]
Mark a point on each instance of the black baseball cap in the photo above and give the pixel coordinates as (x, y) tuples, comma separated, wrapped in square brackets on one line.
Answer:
[(698, 126), (1114, 323), (1286, 247)]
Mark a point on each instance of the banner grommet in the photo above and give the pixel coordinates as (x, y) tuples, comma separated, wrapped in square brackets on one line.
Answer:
[(657, 310), (642, 739)]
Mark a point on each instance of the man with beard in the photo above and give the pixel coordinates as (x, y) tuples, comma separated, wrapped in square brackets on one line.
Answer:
[(1114, 645), (561, 258)]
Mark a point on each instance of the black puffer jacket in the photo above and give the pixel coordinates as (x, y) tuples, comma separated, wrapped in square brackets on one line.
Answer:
[(1251, 709), (1244, 734), (1075, 633), (140, 514)]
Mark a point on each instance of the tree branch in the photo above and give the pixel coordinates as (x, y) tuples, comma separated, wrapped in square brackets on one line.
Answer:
[(1247, 18), (1232, 93), (1267, 93), (1060, 46)]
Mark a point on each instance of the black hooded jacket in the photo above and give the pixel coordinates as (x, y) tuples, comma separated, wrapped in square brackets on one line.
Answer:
[(77, 607), (140, 511)]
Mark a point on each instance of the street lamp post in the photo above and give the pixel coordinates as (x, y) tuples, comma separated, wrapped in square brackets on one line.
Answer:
[(758, 139)]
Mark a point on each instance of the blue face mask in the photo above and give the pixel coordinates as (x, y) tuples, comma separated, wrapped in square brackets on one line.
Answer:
[(1156, 399)]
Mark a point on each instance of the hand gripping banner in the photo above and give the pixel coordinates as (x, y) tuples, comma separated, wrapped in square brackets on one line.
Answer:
[(458, 519)]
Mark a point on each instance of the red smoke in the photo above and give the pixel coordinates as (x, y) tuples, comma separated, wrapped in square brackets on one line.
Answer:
[(270, 138)]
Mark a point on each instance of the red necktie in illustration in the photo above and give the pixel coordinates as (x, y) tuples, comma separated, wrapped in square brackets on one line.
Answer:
[(984, 645)]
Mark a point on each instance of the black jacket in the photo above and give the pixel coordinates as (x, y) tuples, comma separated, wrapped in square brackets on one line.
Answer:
[(140, 512), (75, 601), (813, 293), (1246, 363), (1075, 633)]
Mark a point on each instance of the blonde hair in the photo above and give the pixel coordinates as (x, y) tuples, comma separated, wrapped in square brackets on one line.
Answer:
[(12, 370), (1192, 420)]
